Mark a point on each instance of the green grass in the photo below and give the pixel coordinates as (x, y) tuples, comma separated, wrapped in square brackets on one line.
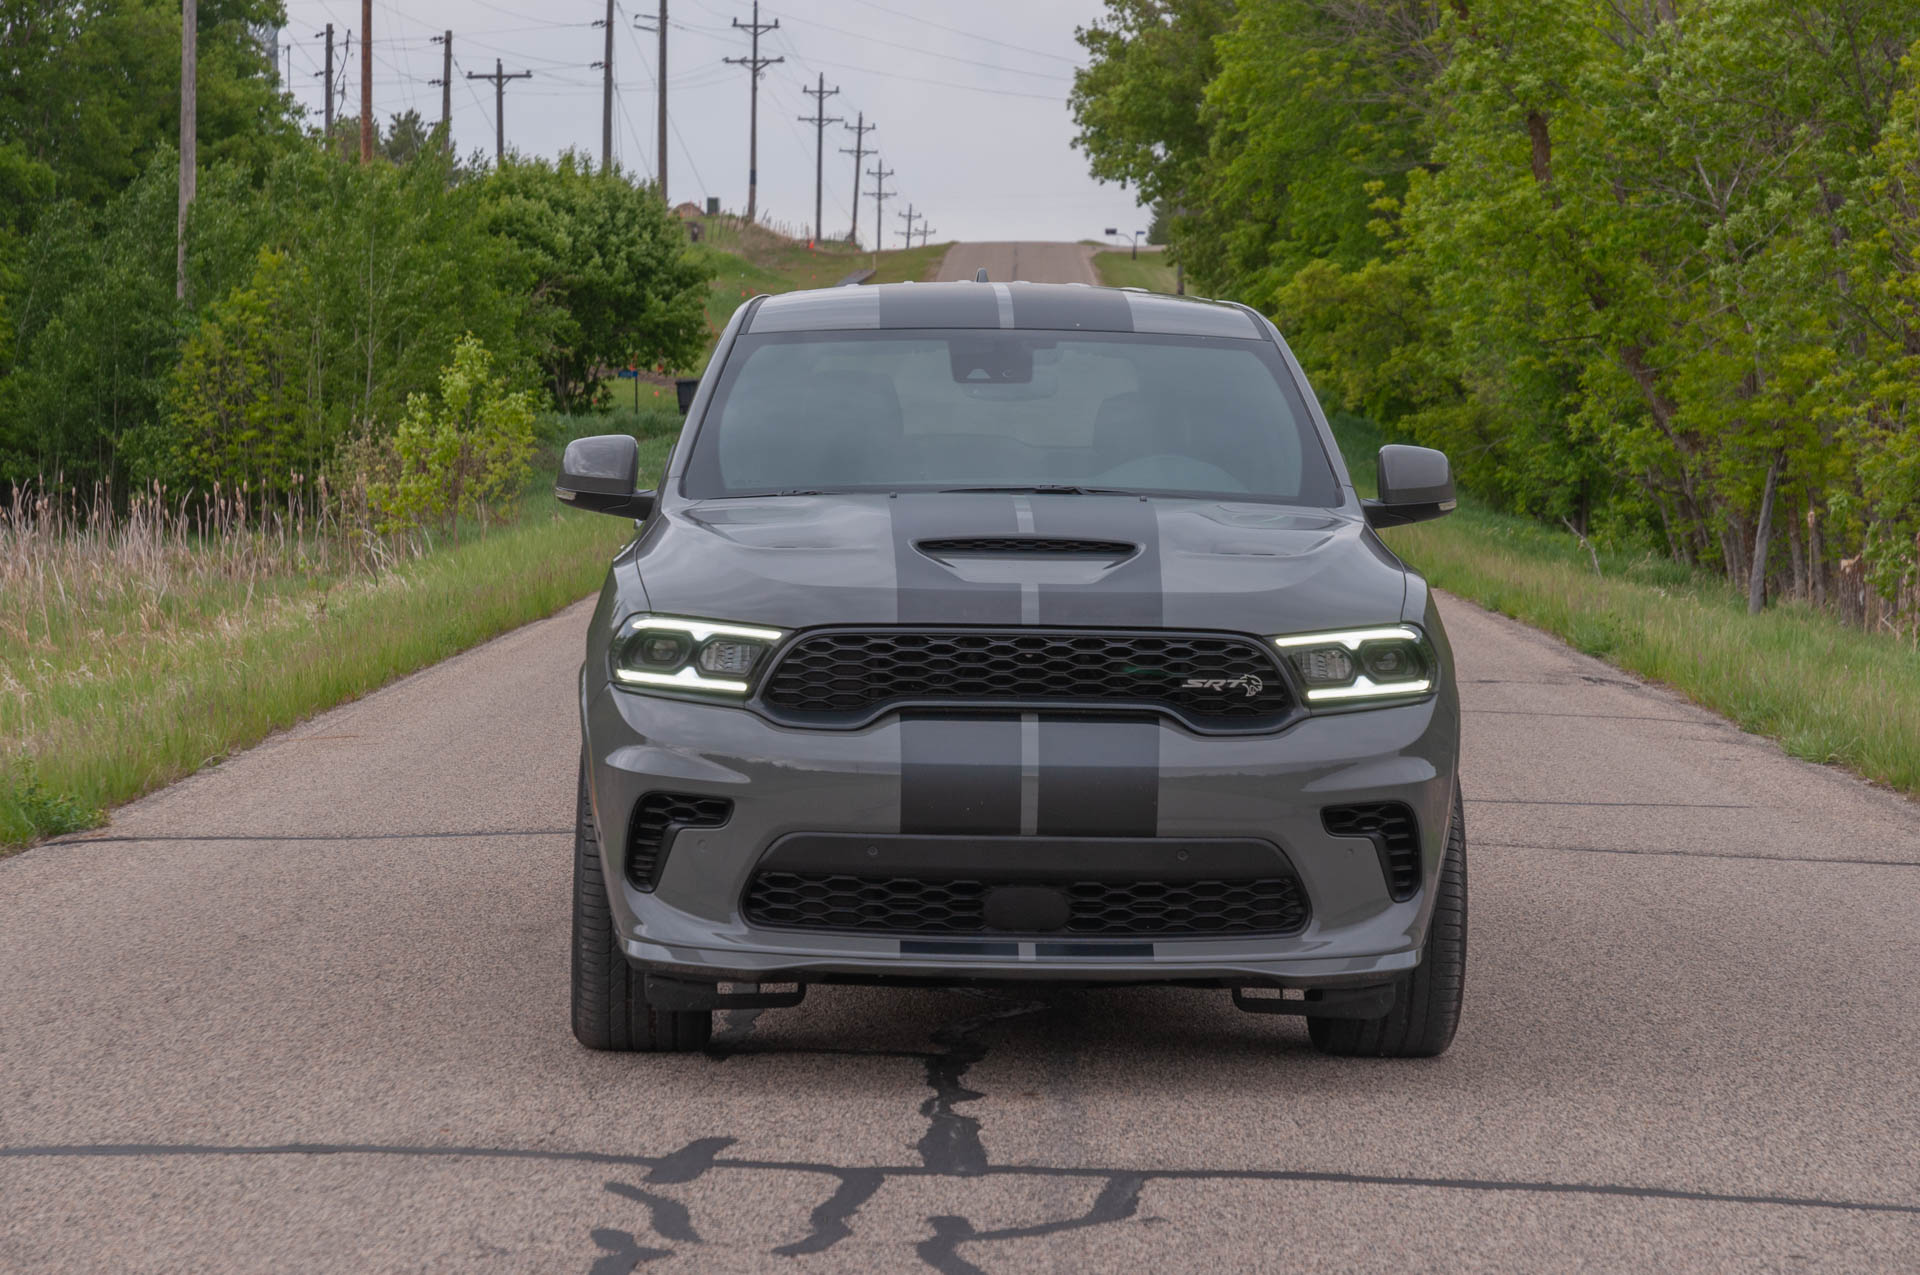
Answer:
[(1827, 692), (1151, 270), (157, 694)]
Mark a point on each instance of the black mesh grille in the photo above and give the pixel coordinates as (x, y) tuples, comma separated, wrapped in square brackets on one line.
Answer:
[(906, 905), (1391, 827), (1027, 544), (1219, 680), (653, 815)]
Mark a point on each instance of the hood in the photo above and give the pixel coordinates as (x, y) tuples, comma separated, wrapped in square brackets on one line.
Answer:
[(967, 558)]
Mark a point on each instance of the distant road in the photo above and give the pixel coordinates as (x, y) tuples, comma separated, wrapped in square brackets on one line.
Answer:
[(1033, 262)]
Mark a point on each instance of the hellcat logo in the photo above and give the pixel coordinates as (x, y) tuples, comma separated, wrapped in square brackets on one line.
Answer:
[(1247, 682)]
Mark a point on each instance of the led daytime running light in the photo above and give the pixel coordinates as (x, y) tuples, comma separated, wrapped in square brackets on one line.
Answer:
[(686, 678), (1351, 638), (1364, 688), (701, 630)]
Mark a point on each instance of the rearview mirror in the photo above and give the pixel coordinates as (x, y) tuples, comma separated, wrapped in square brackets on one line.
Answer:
[(1416, 484), (602, 473)]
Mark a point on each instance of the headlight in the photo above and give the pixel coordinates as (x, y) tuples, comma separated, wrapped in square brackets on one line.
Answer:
[(1390, 662), (690, 655)]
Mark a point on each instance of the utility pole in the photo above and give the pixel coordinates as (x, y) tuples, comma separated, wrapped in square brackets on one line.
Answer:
[(819, 119), (924, 232), (499, 78), (606, 95), (755, 64), (859, 152), (909, 216), (663, 100), (880, 196), (660, 25), (189, 135), (366, 81), (326, 80), (446, 89)]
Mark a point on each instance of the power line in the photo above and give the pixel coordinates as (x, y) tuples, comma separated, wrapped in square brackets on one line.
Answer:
[(880, 197), (366, 81), (932, 53), (921, 79), (446, 88), (500, 78), (606, 95), (971, 35), (756, 66), (660, 84), (819, 119), (859, 153)]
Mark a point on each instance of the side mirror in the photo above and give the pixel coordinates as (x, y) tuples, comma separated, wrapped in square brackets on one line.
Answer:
[(602, 474), (1416, 484)]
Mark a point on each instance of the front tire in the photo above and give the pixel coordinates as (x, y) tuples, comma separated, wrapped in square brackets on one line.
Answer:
[(609, 1008), (1426, 1011)]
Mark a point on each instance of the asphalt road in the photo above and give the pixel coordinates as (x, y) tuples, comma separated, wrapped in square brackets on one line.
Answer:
[(307, 1011), (1006, 262)]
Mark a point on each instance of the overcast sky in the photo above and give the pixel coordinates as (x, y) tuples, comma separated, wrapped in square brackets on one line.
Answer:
[(974, 127)]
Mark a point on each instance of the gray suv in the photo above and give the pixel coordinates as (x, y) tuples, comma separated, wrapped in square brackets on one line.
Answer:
[(991, 633)]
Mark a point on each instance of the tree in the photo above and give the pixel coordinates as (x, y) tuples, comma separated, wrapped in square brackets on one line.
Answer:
[(90, 88), (612, 280), (1137, 102)]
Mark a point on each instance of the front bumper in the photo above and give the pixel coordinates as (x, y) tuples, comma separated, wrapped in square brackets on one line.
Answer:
[(786, 781)]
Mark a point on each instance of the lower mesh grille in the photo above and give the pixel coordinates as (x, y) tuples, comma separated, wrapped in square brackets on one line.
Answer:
[(1391, 828), (908, 905), (654, 815)]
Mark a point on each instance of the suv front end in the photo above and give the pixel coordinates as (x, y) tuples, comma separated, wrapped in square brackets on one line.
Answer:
[(883, 731)]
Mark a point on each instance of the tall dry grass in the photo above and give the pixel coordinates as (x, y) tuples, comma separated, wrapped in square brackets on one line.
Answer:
[(138, 644)]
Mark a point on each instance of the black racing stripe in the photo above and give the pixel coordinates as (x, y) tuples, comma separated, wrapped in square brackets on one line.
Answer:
[(940, 305), (1129, 595), (1099, 777), (960, 774), (1058, 306), (929, 593)]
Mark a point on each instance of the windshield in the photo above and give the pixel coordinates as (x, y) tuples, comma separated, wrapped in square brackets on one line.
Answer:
[(936, 411)]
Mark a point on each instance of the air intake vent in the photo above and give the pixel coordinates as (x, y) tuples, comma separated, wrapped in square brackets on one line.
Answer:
[(1395, 836), (655, 816), (1027, 545), (908, 905)]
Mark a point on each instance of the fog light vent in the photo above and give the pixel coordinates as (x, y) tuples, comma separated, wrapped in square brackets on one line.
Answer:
[(1396, 837), (655, 817)]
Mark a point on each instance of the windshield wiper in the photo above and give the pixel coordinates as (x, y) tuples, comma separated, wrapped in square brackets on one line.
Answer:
[(1044, 489)]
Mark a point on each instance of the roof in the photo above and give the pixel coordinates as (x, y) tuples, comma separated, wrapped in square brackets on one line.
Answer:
[(1051, 306)]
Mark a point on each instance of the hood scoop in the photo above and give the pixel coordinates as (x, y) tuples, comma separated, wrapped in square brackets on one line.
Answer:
[(1025, 546)]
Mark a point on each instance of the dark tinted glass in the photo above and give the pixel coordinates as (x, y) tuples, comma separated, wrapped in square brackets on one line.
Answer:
[(901, 411)]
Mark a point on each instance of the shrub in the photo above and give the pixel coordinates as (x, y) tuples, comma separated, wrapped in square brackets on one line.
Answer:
[(466, 453)]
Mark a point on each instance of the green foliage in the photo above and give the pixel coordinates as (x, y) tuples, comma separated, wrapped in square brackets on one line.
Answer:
[(321, 293), (89, 90), (1138, 103), (243, 395), (462, 452), (613, 282), (32, 810), (1640, 269)]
